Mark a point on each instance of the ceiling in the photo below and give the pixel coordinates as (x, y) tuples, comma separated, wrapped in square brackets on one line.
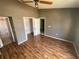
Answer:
[(57, 4)]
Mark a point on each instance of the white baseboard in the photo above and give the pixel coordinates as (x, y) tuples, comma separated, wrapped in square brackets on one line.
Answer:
[(65, 41), (76, 50), (57, 38), (22, 42)]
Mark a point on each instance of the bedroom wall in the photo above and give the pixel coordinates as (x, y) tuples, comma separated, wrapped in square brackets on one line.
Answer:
[(75, 18), (17, 10), (62, 23), (58, 22)]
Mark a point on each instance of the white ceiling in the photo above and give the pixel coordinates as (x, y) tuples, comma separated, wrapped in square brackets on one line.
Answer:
[(57, 4)]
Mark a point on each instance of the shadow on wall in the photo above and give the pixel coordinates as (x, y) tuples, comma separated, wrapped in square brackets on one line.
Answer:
[(75, 17), (74, 31), (74, 23), (73, 34)]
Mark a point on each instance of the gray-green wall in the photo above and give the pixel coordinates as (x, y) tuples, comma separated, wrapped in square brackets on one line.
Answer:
[(60, 21), (75, 25), (64, 24), (17, 10)]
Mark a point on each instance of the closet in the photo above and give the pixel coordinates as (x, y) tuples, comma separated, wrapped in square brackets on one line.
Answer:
[(5, 31)]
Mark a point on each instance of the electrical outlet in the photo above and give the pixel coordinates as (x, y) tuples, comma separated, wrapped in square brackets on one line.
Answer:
[(49, 26)]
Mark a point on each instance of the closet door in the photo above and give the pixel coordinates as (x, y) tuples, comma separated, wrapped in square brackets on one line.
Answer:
[(5, 32), (36, 26)]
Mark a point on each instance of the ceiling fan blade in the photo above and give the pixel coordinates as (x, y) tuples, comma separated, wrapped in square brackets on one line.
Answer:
[(46, 2), (27, 1)]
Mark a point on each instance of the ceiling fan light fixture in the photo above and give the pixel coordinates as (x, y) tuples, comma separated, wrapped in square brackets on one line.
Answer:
[(36, 4)]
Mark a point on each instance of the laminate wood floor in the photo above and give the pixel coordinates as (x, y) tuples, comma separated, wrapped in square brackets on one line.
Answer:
[(39, 47)]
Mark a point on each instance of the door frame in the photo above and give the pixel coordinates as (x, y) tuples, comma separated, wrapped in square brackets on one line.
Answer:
[(25, 26), (25, 23), (44, 25), (10, 28), (39, 18), (36, 32)]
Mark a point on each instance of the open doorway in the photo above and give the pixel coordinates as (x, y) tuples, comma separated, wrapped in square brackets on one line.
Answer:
[(34, 26), (31, 26), (42, 24)]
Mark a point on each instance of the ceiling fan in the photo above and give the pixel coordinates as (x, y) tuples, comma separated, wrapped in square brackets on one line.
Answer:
[(38, 1)]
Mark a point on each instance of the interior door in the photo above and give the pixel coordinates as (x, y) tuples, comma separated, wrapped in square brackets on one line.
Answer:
[(5, 33), (36, 26), (26, 26)]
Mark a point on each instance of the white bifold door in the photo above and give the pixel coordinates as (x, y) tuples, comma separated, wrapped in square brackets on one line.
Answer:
[(36, 26)]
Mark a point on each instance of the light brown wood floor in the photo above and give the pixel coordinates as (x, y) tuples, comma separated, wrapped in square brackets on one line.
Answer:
[(40, 47)]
